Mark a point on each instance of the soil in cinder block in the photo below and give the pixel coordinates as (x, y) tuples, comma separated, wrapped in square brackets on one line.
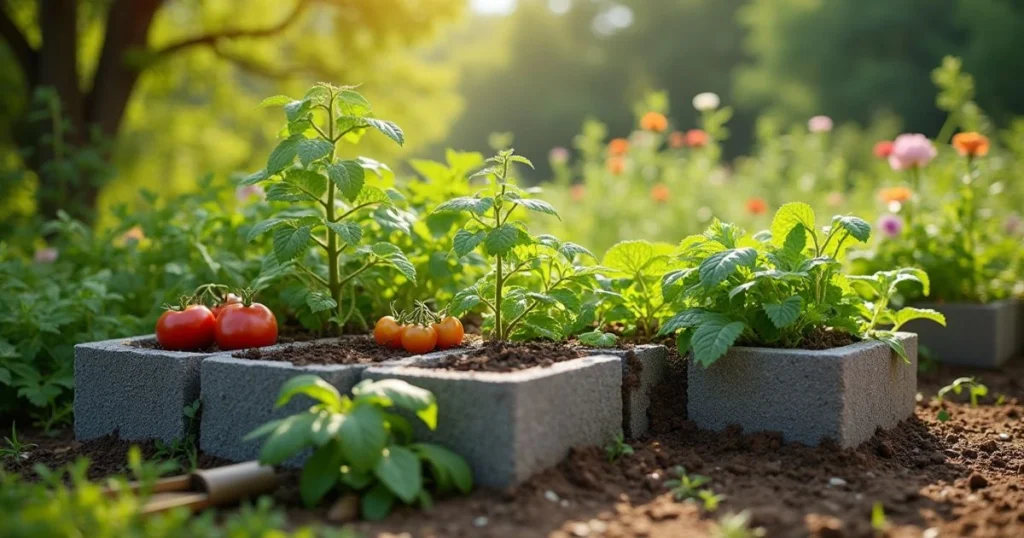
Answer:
[(508, 357), (350, 350), (817, 340)]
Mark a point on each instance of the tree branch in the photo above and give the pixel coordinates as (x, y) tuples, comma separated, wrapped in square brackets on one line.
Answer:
[(23, 52), (253, 67), (213, 37)]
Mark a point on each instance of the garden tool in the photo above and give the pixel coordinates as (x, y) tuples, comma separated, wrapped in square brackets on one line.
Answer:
[(209, 487)]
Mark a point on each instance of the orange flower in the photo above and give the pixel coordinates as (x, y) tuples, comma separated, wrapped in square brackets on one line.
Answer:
[(677, 139), (696, 138), (882, 149), (134, 234), (653, 121), (971, 144), (895, 194), (659, 193), (616, 165), (757, 206), (618, 146), (577, 192)]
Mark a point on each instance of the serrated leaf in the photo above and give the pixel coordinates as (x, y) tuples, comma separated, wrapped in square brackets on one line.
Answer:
[(598, 339), (254, 178), (348, 176), (283, 155), (714, 337), (718, 267), (312, 149), (785, 313), (683, 320), (856, 227), (631, 258), (352, 103), (287, 192), (893, 342), (319, 301), (388, 129), (790, 216), (909, 313), (571, 250), (394, 257), (297, 109), (277, 100), (349, 232), (290, 242), (465, 241), (567, 298), (500, 240), (312, 182), (540, 206), (263, 227), (372, 195), (465, 203), (463, 302)]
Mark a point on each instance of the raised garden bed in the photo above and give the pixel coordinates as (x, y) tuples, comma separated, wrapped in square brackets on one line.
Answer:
[(516, 410), (239, 390), (843, 394), (643, 368), (980, 335), (134, 389)]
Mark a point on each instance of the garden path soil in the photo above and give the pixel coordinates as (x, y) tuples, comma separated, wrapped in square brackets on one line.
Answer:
[(963, 477)]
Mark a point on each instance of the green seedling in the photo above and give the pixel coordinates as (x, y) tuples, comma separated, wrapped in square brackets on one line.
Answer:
[(617, 448), (691, 487), (15, 450), (974, 387), (737, 526)]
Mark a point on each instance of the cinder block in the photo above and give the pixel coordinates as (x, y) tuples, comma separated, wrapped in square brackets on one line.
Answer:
[(643, 367), (239, 395), (138, 393), (842, 394), (511, 425), (979, 335)]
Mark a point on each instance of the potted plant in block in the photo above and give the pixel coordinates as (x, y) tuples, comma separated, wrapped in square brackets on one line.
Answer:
[(781, 339)]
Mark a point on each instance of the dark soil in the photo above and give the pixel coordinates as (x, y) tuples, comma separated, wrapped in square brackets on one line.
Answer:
[(962, 477), (347, 350), (817, 340), (508, 357), (151, 343)]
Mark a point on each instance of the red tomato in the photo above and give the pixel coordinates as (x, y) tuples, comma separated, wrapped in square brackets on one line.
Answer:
[(388, 332), (230, 299), (449, 332), (419, 339), (240, 327), (186, 330)]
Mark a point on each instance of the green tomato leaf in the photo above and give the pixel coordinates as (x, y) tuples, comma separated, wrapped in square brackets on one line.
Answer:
[(290, 242), (713, 338), (718, 267), (500, 240), (254, 178), (388, 129), (683, 320), (277, 100), (790, 216), (540, 206), (904, 315), (631, 258), (283, 155), (598, 339), (349, 232), (351, 103), (348, 176), (471, 204), (464, 301), (893, 342), (394, 257), (858, 228), (785, 313), (307, 180), (263, 227), (399, 469), (465, 241), (319, 301), (312, 149)]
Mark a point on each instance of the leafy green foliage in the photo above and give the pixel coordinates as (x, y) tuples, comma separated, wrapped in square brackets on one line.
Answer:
[(634, 285), (692, 487), (537, 287), (780, 288), (360, 445), (13, 448), (340, 204), (974, 387), (617, 448)]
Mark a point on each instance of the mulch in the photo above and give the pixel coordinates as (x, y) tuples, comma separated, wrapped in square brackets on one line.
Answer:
[(961, 477)]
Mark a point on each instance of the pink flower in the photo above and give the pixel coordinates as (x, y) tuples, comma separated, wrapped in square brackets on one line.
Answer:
[(819, 124), (911, 151), (558, 155), (245, 193), (1012, 224), (45, 255), (891, 225)]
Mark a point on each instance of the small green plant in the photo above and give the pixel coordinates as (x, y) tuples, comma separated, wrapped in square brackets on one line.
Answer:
[(617, 448), (781, 288), (185, 448), (361, 445), (687, 487), (338, 203), (635, 269), (975, 389), (737, 526), (15, 450), (550, 302), (878, 520)]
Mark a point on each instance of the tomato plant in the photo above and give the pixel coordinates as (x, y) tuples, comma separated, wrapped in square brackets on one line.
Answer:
[(245, 325), (187, 327), (317, 238)]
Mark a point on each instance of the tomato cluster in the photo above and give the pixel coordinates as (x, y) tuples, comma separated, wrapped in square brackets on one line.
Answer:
[(234, 322), (423, 333)]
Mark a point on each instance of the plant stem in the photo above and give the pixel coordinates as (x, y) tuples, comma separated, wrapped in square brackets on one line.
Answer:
[(334, 282)]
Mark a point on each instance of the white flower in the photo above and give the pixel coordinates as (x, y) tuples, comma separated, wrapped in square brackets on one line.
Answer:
[(706, 101)]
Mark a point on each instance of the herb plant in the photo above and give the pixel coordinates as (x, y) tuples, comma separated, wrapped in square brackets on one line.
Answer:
[(686, 486), (332, 202), (617, 448), (361, 445), (635, 269), (14, 449), (536, 288), (781, 288), (974, 387)]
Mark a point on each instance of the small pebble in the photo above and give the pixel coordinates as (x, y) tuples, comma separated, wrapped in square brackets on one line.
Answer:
[(1004, 436), (580, 529), (480, 521), (598, 526), (564, 503), (930, 532), (551, 496), (836, 482)]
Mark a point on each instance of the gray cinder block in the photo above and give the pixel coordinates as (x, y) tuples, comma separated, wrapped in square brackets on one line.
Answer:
[(136, 392), (980, 335), (511, 425), (239, 395), (640, 375), (842, 394)]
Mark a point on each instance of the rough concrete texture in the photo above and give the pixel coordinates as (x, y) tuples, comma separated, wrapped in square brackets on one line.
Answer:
[(509, 426), (639, 377), (842, 394), (980, 335), (136, 392), (239, 395)]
